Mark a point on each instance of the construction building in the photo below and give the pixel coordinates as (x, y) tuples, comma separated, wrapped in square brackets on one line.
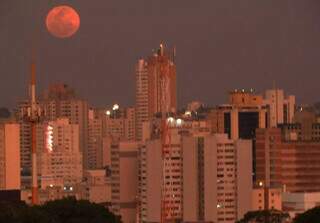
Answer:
[(155, 87)]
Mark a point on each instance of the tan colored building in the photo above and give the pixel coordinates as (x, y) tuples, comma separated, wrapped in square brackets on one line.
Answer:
[(95, 141), (264, 198), (155, 87), (61, 101), (150, 185), (208, 177), (217, 183), (96, 187), (124, 179), (120, 123), (60, 163), (244, 97), (281, 109), (240, 117), (9, 156)]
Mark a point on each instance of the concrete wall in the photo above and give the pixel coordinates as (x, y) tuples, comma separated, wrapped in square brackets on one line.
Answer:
[(244, 177), (190, 182), (210, 176), (12, 156), (153, 187)]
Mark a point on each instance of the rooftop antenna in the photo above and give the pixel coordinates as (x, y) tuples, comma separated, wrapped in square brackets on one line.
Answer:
[(33, 117)]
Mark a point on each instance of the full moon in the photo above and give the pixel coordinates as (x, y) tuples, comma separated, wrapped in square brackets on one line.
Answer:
[(63, 21)]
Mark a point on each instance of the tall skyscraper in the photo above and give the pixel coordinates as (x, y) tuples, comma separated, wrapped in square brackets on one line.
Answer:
[(9, 156), (155, 87)]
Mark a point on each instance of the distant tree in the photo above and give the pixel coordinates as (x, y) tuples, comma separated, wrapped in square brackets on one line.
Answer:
[(265, 216), (310, 216), (19, 212), (70, 210), (67, 210)]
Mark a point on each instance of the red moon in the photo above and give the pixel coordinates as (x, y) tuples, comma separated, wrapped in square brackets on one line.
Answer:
[(63, 21)]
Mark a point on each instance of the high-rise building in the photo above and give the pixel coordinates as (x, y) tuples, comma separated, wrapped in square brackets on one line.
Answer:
[(60, 101), (151, 186), (280, 109), (25, 140), (95, 141), (104, 126), (208, 176), (124, 179), (292, 165), (9, 156), (217, 180), (305, 127), (120, 123), (61, 160), (155, 87), (244, 113)]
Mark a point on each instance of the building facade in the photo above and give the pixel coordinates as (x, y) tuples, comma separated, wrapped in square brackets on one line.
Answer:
[(124, 179), (208, 176), (281, 109), (9, 156), (292, 165), (61, 101), (60, 162)]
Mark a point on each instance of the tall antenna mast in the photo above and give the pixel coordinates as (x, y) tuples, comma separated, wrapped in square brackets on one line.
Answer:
[(34, 119)]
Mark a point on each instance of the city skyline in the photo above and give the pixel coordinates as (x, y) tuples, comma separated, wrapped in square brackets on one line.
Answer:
[(103, 59), (160, 111)]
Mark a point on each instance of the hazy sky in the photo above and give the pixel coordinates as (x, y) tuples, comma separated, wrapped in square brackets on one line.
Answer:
[(221, 45)]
